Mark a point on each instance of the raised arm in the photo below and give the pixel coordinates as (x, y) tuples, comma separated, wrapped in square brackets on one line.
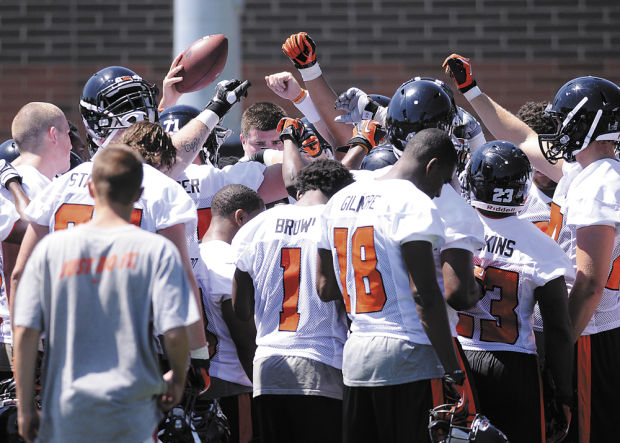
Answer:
[(192, 136), (502, 124), (301, 50)]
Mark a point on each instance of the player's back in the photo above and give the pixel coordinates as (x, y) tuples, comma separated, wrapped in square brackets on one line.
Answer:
[(365, 225), (66, 201), (517, 258), (278, 248)]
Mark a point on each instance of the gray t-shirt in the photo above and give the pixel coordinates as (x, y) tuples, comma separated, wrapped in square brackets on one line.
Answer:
[(97, 294)]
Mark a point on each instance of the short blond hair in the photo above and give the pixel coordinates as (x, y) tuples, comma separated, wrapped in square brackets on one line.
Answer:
[(32, 121)]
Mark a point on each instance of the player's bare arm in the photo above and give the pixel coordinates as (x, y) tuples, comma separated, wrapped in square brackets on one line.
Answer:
[(26, 341), (34, 233), (243, 295), (169, 93), (430, 304), (243, 334), (553, 302), (301, 50), (177, 350), (502, 124), (594, 250), (192, 136), (326, 283), (462, 291)]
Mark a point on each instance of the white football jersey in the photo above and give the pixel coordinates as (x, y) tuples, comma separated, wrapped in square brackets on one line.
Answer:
[(33, 182), (66, 202), (517, 258), (215, 275), (364, 225), (201, 182), (537, 208), (8, 217), (278, 248), (594, 199)]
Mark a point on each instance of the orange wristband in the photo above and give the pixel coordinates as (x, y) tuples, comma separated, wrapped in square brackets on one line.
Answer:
[(300, 97)]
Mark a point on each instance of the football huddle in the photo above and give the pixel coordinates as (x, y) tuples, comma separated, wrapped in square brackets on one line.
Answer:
[(379, 270)]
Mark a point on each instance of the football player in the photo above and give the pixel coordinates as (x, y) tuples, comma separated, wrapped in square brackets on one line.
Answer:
[(518, 266), (297, 366), (112, 100), (232, 341), (584, 220), (377, 237)]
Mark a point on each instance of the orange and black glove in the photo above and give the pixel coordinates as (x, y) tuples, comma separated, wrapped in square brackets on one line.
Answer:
[(310, 144), (291, 129), (368, 134), (459, 68), (301, 49)]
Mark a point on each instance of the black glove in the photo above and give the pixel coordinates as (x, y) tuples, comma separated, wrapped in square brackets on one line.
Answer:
[(198, 374), (459, 68), (8, 173), (227, 93)]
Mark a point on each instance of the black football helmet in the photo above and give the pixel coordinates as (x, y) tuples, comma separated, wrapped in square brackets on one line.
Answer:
[(177, 116), (378, 157), (115, 98), (498, 177), (382, 100), (9, 150), (446, 426), (585, 109), (419, 103)]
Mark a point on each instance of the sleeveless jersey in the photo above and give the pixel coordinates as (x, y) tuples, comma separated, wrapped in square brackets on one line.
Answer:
[(594, 199), (517, 259), (364, 225), (66, 202), (278, 248), (215, 275)]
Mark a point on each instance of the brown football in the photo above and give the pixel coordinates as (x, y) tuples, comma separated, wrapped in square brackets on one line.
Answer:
[(202, 62)]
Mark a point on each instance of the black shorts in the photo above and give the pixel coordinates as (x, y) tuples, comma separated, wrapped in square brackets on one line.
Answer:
[(390, 414), (509, 392), (298, 419), (239, 411), (597, 379)]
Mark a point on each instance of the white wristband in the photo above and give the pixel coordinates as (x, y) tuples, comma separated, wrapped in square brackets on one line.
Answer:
[(307, 108), (200, 353), (272, 156), (208, 118), (472, 93), (310, 73)]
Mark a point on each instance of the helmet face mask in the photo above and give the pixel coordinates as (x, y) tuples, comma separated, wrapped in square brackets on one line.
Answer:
[(447, 426), (418, 104), (498, 178), (585, 109), (114, 99)]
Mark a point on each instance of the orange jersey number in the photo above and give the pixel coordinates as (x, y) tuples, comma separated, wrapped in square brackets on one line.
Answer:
[(505, 327), (204, 220), (71, 214), (613, 282), (369, 292), (290, 260), (555, 222)]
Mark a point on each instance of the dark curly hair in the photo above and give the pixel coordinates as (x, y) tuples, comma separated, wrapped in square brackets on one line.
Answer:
[(232, 197), (153, 143), (328, 176), (533, 115)]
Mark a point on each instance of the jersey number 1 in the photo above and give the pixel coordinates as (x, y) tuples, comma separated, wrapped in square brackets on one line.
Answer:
[(290, 262)]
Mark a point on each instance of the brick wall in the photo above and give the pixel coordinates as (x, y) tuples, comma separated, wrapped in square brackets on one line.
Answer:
[(521, 49)]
